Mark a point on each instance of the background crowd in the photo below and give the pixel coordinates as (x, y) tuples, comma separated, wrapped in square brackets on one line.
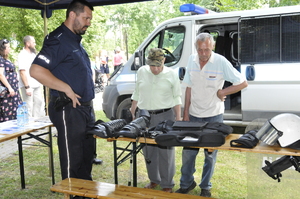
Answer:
[(21, 87)]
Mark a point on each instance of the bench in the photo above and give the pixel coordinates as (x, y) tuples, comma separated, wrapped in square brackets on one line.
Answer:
[(92, 189)]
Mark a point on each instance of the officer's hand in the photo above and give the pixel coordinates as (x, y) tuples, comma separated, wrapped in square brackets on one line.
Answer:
[(74, 97)]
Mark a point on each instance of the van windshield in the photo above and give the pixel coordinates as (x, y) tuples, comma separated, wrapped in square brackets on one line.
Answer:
[(171, 41)]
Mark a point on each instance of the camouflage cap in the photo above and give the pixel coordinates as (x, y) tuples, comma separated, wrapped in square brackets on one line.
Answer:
[(155, 57)]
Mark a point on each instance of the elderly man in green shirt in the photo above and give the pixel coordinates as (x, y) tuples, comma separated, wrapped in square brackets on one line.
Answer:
[(158, 90)]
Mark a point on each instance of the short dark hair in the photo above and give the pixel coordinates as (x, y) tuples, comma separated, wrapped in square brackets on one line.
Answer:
[(77, 6), (3, 47)]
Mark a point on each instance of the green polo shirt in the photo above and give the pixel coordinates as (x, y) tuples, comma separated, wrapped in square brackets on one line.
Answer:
[(154, 92)]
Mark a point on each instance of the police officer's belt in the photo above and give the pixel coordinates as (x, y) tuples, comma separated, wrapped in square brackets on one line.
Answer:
[(89, 103)]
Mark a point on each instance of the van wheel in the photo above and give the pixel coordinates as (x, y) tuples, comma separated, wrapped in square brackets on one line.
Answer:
[(125, 104)]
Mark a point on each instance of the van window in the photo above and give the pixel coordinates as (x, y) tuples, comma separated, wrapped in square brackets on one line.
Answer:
[(270, 39), (226, 38), (171, 40), (291, 38)]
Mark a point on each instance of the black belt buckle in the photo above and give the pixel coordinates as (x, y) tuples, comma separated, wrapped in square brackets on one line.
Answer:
[(61, 101)]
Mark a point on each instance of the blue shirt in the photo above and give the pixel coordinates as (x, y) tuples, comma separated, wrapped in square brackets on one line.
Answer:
[(64, 56)]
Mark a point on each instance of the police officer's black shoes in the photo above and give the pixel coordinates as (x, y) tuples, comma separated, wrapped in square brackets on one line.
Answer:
[(97, 161), (205, 193), (185, 191)]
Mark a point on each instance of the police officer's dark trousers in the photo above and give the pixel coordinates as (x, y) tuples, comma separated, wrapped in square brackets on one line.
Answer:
[(76, 148)]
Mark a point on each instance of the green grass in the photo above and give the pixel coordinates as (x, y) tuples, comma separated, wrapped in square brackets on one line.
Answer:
[(229, 180)]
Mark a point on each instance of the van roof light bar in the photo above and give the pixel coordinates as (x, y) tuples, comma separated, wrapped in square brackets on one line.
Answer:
[(193, 9)]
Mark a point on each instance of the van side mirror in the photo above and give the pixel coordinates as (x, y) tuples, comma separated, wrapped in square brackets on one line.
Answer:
[(137, 60), (181, 72)]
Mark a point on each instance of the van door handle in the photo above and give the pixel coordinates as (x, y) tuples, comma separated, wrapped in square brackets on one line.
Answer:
[(181, 72), (250, 73)]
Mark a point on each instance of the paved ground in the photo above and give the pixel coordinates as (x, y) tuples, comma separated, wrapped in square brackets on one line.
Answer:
[(10, 147)]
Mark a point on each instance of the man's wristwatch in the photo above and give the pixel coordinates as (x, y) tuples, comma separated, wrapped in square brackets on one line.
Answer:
[(26, 87)]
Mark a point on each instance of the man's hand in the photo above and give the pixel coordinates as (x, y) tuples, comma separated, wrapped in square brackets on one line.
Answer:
[(186, 117), (221, 95), (74, 97)]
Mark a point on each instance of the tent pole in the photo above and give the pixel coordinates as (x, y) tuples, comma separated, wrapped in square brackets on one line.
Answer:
[(45, 24), (46, 89)]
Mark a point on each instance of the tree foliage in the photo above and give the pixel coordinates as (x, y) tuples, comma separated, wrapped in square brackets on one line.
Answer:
[(279, 3), (232, 5)]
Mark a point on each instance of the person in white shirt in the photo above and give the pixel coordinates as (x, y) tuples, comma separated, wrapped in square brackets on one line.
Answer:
[(31, 89), (204, 102)]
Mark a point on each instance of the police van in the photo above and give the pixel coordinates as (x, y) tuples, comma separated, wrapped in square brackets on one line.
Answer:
[(263, 44)]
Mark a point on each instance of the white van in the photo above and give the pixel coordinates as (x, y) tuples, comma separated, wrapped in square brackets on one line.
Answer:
[(264, 45)]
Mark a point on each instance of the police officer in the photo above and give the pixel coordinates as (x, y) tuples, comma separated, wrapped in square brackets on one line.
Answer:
[(63, 65)]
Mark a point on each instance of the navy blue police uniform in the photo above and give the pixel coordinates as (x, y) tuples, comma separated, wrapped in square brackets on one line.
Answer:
[(64, 56)]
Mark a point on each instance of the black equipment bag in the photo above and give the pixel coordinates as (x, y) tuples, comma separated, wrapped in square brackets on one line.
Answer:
[(205, 137), (183, 133)]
